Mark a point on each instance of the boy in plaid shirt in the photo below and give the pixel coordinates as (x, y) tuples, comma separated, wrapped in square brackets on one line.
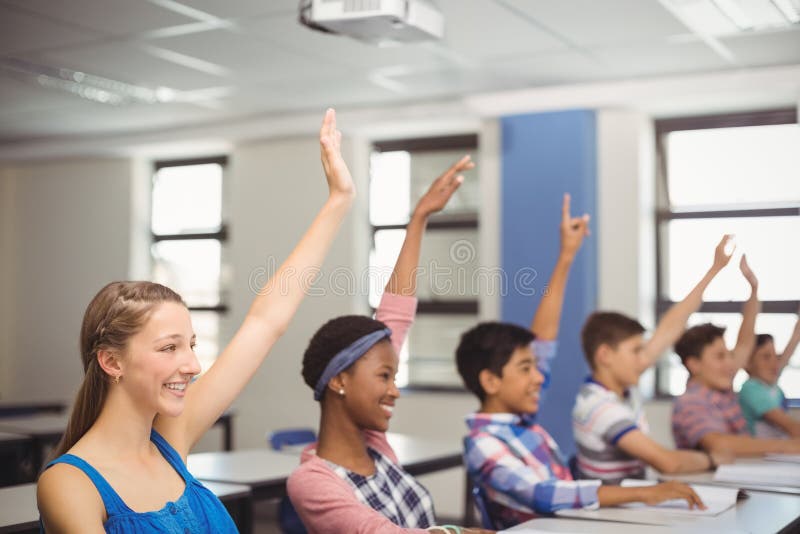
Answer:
[(512, 459)]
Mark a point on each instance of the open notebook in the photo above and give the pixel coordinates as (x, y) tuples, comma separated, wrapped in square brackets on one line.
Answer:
[(788, 458), (717, 499)]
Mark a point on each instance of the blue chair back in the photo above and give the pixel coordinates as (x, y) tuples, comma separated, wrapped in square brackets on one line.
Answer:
[(290, 436), (288, 519), (481, 503)]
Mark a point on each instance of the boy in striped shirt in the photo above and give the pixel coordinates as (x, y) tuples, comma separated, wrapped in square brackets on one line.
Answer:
[(513, 460), (608, 420), (708, 416)]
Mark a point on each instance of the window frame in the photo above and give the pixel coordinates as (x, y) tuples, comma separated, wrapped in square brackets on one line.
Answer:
[(664, 214), (466, 221), (220, 234)]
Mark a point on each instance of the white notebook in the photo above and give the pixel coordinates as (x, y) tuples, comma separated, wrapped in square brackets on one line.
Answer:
[(766, 473), (789, 458), (716, 498)]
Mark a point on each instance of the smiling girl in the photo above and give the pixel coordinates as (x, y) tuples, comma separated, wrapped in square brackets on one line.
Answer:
[(351, 481), (122, 463)]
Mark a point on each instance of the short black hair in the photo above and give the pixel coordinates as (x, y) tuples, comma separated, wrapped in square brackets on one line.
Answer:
[(606, 328), (695, 339), (489, 346), (331, 338)]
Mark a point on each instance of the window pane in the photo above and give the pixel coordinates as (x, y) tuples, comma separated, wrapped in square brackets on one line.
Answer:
[(206, 328), (448, 266), (192, 268), (432, 344), (748, 165), (770, 245), (673, 376), (187, 199), (427, 166), (382, 257), (389, 187)]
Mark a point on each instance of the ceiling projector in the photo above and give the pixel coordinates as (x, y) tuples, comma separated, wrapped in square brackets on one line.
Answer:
[(380, 22)]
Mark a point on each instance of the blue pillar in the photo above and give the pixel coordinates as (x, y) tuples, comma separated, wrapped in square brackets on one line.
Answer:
[(544, 156)]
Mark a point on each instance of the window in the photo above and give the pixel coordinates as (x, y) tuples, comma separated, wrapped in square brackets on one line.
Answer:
[(400, 173), (731, 174), (188, 242)]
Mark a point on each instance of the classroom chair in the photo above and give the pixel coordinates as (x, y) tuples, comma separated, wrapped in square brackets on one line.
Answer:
[(288, 519), (479, 497)]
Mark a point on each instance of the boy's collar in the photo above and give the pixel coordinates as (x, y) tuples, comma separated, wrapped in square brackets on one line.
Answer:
[(591, 380), (480, 419)]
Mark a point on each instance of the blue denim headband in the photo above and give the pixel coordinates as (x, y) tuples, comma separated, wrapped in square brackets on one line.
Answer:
[(347, 356)]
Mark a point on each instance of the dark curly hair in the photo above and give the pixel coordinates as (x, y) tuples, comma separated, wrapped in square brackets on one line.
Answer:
[(489, 346), (331, 338), (695, 339)]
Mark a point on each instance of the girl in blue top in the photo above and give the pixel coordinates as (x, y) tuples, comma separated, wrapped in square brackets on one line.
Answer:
[(122, 463)]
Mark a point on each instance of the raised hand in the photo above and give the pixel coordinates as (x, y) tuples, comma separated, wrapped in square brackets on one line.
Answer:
[(724, 252), (667, 491), (748, 272), (440, 191), (330, 143), (573, 229)]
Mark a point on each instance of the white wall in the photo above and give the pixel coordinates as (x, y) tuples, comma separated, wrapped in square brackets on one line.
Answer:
[(276, 189), (70, 224)]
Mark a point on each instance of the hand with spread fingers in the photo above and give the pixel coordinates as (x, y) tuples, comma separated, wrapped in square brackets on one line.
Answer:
[(442, 189)]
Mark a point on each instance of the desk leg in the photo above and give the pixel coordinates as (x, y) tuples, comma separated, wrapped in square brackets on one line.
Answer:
[(228, 433)]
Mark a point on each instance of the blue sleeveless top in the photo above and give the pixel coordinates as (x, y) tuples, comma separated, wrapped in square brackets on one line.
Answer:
[(197, 509)]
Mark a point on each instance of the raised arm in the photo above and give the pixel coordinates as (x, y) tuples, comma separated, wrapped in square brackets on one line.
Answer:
[(272, 309), (673, 322), (403, 280), (746, 340), (791, 346), (548, 315)]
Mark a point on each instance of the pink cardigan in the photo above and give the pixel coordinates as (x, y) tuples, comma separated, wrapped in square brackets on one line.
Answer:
[(326, 503)]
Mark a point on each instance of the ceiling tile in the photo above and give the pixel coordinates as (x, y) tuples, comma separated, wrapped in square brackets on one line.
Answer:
[(21, 95), (109, 17), (249, 59), (592, 22), (244, 8), (775, 48), (551, 69), (22, 32), (658, 59), (482, 30)]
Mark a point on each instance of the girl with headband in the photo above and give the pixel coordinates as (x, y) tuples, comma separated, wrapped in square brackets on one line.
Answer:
[(350, 480), (122, 463)]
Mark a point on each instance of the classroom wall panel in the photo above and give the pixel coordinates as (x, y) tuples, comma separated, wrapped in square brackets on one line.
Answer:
[(543, 156), (71, 223)]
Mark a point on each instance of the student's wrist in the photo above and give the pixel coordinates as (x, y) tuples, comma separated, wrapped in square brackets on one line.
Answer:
[(711, 463)]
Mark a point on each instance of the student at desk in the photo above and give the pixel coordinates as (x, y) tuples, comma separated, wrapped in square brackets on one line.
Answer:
[(512, 459), (350, 480), (762, 400), (708, 415), (608, 419), (122, 463)]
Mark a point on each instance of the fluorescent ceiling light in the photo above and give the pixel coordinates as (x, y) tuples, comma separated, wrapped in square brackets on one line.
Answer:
[(730, 17)]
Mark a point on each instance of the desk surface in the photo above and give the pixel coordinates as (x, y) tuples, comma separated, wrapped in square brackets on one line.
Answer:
[(263, 467), (36, 425), (8, 438), (18, 509), (760, 512)]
